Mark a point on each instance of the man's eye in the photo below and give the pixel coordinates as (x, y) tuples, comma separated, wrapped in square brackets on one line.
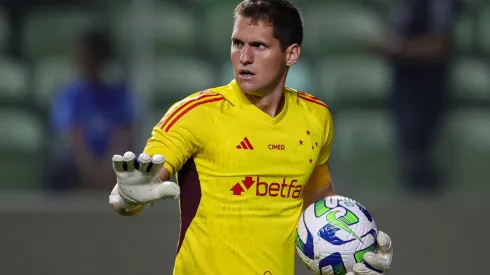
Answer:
[(259, 46)]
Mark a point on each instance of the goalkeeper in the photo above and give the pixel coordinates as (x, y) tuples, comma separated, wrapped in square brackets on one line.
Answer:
[(249, 157)]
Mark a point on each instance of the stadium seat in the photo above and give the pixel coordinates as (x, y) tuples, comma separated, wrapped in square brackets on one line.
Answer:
[(55, 30), (21, 145), (174, 28), (4, 30), (108, 5), (471, 80), (353, 80), (217, 29), (337, 27), (382, 3), (470, 150), (179, 76), (464, 33), (484, 30), (13, 80), (363, 149), (49, 75)]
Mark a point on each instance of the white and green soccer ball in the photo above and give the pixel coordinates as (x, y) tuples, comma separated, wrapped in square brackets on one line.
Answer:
[(337, 232)]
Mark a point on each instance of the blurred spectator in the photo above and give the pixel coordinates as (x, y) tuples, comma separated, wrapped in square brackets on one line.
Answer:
[(95, 115), (420, 51)]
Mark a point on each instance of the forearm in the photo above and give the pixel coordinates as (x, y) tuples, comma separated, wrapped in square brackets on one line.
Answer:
[(84, 160), (426, 47), (120, 142), (423, 47), (88, 170), (319, 185), (311, 196), (164, 174), (96, 175)]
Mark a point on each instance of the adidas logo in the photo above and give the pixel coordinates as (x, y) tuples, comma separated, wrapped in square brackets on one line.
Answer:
[(245, 145)]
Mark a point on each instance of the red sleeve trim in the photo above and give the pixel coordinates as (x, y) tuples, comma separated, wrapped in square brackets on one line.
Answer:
[(313, 100), (171, 116), (190, 106)]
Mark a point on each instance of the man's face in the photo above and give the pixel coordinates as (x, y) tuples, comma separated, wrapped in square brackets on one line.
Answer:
[(258, 61), (87, 62)]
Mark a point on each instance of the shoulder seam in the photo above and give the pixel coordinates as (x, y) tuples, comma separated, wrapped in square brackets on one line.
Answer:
[(186, 106), (311, 98)]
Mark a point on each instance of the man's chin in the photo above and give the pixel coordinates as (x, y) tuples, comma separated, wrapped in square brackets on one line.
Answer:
[(247, 87)]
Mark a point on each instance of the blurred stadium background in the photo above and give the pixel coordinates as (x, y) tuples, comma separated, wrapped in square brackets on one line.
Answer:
[(159, 44)]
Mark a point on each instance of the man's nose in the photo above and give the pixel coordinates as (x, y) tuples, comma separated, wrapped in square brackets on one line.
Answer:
[(246, 55)]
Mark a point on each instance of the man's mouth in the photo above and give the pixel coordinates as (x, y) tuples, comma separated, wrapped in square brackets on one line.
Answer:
[(246, 73)]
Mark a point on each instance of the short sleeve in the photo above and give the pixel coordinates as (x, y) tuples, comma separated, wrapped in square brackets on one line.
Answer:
[(327, 144)]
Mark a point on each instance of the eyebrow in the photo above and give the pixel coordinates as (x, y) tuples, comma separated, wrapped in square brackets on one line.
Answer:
[(252, 43)]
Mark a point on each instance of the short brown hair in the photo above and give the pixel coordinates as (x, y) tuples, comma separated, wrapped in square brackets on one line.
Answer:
[(284, 16)]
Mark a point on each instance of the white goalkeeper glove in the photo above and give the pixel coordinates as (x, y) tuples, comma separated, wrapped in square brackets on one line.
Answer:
[(138, 182), (375, 263), (379, 262)]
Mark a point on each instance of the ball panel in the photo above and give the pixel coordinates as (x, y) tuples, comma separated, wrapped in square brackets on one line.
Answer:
[(304, 240), (335, 231), (335, 260)]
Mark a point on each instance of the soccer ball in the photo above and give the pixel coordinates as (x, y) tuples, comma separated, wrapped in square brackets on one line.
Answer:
[(337, 232)]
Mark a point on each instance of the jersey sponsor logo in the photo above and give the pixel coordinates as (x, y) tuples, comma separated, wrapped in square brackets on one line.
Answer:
[(277, 147), (283, 188), (245, 145)]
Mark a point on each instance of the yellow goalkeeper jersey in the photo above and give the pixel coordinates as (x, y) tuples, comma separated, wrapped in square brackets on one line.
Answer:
[(242, 175)]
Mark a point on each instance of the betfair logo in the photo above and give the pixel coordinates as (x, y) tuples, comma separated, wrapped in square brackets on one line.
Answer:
[(237, 189), (282, 188)]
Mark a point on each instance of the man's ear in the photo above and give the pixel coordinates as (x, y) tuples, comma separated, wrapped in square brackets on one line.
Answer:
[(292, 54)]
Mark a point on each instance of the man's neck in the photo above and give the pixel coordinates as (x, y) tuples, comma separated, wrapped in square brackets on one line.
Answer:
[(270, 103)]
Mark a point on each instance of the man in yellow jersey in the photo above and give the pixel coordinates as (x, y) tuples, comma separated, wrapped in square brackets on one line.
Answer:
[(249, 156)]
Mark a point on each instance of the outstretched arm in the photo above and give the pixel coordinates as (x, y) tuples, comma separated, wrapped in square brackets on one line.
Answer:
[(174, 139)]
